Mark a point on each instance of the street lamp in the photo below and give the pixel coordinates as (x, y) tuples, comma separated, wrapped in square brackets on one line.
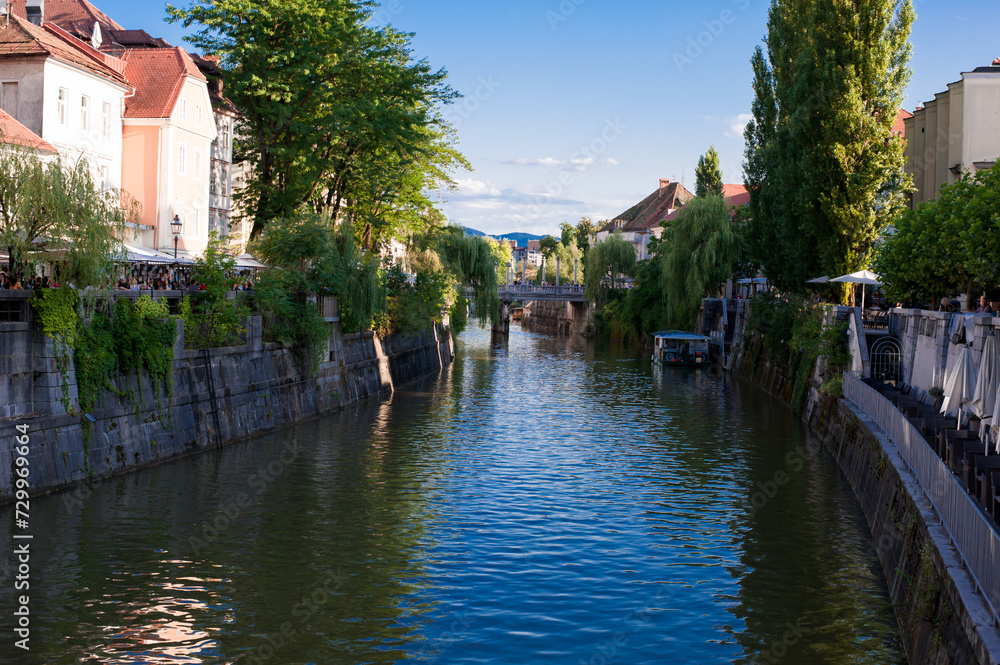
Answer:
[(176, 226)]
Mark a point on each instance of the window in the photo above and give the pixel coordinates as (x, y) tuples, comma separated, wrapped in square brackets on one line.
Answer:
[(197, 164), (197, 114), (225, 136), (183, 110), (105, 178), (225, 180), (196, 219), (63, 97), (8, 98), (182, 159), (84, 112), (213, 178), (106, 119)]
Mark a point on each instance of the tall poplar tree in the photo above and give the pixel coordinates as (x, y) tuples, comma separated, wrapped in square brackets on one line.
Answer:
[(824, 171), (708, 175)]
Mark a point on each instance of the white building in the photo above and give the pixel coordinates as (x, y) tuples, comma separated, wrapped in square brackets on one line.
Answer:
[(66, 92), (955, 133)]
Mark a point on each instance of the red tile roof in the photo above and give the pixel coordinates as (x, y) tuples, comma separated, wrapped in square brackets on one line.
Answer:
[(898, 128), (76, 16), (158, 75), (14, 133), (23, 38), (653, 209), (735, 195)]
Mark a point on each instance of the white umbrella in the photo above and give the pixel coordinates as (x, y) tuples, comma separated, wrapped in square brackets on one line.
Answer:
[(860, 277), (961, 383), (819, 280), (985, 398)]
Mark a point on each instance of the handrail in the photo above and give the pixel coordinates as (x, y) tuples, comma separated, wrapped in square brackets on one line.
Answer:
[(974, 538)]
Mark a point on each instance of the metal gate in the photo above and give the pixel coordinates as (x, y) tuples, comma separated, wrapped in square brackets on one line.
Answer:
[(887, 359)]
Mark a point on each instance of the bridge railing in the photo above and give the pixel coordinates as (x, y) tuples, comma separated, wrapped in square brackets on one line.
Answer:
[(533, 290), (969, 530)]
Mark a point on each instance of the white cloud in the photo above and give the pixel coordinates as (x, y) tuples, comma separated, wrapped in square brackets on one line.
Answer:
[(470, 188), (611, 161), (542, 161), (736, 125)]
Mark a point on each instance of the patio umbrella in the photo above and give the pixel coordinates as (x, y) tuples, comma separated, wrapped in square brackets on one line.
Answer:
[(961, 383), (819, 280), (984, 399), (860, 277)]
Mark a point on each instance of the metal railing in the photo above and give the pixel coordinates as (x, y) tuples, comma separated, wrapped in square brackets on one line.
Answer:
[(968, 527)]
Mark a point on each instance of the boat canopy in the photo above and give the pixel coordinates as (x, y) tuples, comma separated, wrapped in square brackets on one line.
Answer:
[(681, 336)]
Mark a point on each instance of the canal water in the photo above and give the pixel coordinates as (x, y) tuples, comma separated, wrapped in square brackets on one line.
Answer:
[(541, 501)]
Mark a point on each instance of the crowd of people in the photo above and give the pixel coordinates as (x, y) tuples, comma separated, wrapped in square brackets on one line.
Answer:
[(134, 277)]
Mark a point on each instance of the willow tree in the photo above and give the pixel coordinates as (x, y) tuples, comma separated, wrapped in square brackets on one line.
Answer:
[(708, 174), (48, 210), (824, 170), (475, 262), (607, 262), (699, 250)]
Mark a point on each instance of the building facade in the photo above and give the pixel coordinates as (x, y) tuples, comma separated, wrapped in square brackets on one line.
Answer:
[(957, 132)]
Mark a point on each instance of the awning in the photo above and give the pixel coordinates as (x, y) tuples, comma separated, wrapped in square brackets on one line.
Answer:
[(248, 261), (147, 255)]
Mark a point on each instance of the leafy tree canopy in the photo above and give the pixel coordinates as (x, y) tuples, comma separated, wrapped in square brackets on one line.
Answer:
[(822, 165), (607, 263), (708, 174), (335, 114)]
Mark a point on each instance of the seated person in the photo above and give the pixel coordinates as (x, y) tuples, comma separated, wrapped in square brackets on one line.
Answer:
[(984, 306)]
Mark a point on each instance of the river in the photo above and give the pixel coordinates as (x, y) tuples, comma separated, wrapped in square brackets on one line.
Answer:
[(541, 501)]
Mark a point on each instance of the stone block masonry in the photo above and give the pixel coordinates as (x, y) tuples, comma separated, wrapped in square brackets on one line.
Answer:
[(219, 396)]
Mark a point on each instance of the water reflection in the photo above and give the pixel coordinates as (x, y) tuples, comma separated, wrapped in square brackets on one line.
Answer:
[(542, 500)]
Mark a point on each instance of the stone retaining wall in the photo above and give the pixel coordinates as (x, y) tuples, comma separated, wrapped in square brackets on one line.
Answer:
[(942, 620), (219, 396), (558, 318)]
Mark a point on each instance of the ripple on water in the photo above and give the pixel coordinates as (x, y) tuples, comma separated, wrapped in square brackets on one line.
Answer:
[(541, 501)]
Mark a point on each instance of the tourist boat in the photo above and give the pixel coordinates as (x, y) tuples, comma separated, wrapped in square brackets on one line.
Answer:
[(675, 347)]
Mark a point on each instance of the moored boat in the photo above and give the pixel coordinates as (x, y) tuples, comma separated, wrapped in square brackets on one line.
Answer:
[(676, 347)]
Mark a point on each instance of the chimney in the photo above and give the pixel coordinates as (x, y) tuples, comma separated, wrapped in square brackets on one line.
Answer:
[(664, 183), (996, 62), (35, 11)]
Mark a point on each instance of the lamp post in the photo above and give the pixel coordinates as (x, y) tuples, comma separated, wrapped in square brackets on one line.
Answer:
[(176, 226)]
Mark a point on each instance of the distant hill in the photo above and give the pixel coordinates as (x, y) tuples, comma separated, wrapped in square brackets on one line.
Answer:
[(521, 238)]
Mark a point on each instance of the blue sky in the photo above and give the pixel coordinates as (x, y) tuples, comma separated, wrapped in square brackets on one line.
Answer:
[(577, 107)]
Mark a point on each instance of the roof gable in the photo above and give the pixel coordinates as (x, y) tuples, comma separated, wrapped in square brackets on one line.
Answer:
[(648, 213), (158, 75), (14, 133), (23, 38), (75, 16)]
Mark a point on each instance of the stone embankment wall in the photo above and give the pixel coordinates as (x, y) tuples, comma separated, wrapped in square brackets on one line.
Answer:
[(558, 318), (942, 620), (219, 396)]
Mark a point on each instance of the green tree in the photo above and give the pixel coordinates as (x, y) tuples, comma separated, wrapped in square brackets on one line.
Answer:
[(584, 229), (48, 207), (947, 245), (708, 175), (701, 251), (564, 257), (474, 261), (822, 165), (548, 245), (568, 234), (607, 262), (211, 319), (335, 113)]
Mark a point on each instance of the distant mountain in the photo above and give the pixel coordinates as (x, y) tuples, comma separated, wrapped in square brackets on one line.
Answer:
[(521, 238)]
